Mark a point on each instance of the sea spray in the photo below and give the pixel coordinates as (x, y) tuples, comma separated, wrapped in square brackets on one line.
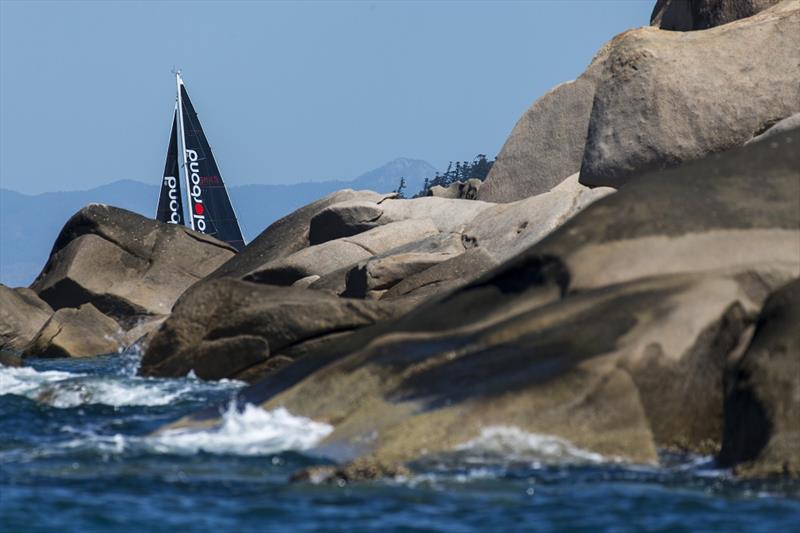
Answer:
[(251, 431), (67, 389), (24, 381), (513, 444)]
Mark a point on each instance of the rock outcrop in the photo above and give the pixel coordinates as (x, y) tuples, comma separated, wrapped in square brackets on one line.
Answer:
[(124, 264), (688, 15), (287, 235), (22, 315), (81, 332), (736, 212), (465, 190), (364, 469), (330, 256), (506, 229), (375, 276), (350, 218), (613, 333), (656, 105), (443, 277), (344, 219), (228, 328), (762, 407), (590, 369)]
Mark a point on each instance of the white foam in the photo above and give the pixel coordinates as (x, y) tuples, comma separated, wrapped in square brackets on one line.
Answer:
[(513, 444), (25, 380), (110, 392), (252, 431), (65, 390)]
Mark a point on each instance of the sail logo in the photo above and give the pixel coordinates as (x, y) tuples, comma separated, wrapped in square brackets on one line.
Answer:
[(198, 210), (172, 194)]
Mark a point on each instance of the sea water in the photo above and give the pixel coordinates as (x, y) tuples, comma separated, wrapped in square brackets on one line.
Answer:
[(78, 452)]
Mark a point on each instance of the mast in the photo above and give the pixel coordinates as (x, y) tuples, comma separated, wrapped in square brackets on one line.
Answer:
[(182, 147)]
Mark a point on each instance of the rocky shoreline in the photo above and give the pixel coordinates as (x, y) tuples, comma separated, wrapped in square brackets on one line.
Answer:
[(626, 278)]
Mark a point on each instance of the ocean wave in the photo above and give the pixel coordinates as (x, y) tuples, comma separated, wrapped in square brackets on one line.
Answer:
[(251, 431), (66, 389), (513, 444), (25, 381)]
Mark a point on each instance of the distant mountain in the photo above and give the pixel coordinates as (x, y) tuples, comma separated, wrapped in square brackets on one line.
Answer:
[(30, 223), (387, 177)]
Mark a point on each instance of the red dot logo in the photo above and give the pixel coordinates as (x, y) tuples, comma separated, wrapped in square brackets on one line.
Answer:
[(198, 208)]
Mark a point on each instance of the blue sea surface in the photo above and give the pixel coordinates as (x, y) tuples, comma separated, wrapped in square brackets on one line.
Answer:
[(77, 454)]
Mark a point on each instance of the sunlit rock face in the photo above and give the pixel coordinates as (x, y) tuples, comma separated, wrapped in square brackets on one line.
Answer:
[(81, 332), (22, 314), (665, 98), (227, 328), (286, 236), (125, 264), (651, 99), (547, 143)]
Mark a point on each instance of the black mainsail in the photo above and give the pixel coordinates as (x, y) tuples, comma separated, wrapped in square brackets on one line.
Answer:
[(209, 208), (170, 201)]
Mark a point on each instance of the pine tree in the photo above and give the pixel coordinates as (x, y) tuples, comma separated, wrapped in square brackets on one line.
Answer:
[(460, 171), (401, 187)]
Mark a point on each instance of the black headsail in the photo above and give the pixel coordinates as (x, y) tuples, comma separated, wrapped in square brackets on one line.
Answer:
[(210, 210), (170, 201)]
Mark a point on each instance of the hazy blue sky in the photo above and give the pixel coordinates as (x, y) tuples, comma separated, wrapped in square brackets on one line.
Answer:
[(286, 91)]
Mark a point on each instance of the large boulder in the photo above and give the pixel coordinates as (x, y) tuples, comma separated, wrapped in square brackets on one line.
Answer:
[(126, 265), (688, 15), (81, 332), (337, 254), (506, 229), (658, 105), (22, 315), (547, 143), (287, 235), (227, 328), (344, 219), (353, 217), (440, 244), (762, 408)]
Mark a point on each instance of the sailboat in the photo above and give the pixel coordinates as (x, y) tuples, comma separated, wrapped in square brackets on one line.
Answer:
[(208, 207)]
